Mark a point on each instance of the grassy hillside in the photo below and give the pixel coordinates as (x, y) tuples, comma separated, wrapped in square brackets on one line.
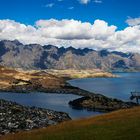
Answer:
[(11, 79), (118, 125), (72, 73)]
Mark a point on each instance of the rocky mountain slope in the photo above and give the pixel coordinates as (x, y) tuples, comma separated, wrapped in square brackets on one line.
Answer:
[(34, 56)]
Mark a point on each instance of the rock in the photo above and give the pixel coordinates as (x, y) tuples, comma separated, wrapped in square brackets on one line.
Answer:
[(15, 117)]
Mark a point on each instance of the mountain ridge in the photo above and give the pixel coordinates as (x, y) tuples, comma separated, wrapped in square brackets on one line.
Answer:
[(34, 56)]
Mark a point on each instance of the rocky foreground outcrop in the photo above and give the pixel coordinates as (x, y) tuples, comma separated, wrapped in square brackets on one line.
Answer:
[(100, 103), (15, 117)]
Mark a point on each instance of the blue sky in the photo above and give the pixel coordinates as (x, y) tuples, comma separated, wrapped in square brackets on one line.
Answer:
[(97, 24), (28, 11)]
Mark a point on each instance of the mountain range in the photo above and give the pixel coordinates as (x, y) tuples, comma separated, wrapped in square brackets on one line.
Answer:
[(34, 56)]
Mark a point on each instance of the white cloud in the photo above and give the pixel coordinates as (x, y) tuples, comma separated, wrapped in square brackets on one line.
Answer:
[(133, 21), (71, 8), (98, 35), (84, 1), (73, 29), (50, 5), (97, 1)]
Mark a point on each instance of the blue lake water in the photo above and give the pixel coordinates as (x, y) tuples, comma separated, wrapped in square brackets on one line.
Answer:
[(112, 87), (58, 102)]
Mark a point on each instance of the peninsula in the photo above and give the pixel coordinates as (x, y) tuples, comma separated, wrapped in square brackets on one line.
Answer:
[(54, 81)]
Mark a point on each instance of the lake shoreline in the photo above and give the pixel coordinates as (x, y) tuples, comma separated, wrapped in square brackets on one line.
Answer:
[(9, 126), (14, 81), (99, 99), (101, 102)]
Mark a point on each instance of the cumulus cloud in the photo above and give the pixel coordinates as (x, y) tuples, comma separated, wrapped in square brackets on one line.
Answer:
[(98, 35), (84, 1), (73, 29), (133, 21)]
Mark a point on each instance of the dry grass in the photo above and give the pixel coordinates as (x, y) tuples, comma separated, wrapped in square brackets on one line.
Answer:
[(118, 125), (48, 78), (9, 78), (72, 74)]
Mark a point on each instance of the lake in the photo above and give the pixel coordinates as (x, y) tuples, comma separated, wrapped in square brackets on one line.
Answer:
[(57, 102), (119, 88), (112, 87)]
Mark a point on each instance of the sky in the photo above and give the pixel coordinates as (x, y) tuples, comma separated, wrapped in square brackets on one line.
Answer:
[(97, 24)]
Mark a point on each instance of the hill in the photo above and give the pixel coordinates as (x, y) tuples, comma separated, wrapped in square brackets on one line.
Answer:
[(118, 125), (43, 80), (26, 81), (34, 56)]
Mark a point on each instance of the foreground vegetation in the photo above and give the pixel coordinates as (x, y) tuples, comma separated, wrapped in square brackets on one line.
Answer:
[(118, 125)]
